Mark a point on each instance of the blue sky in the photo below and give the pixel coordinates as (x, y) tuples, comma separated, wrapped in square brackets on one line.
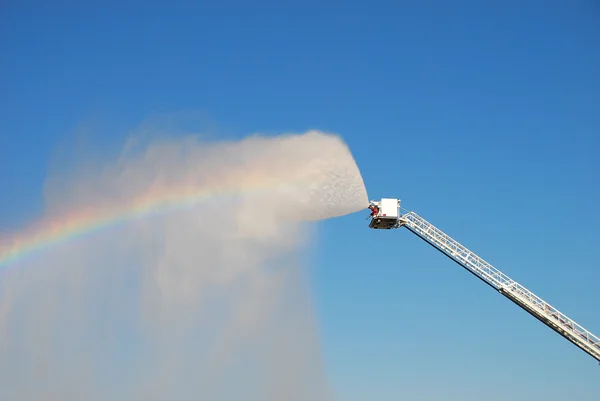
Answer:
[(483, 119)]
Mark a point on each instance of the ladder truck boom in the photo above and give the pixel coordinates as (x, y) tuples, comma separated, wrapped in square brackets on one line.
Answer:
[(385, 214)]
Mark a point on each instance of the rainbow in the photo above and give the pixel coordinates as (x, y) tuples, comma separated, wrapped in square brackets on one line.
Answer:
[(157, 198)]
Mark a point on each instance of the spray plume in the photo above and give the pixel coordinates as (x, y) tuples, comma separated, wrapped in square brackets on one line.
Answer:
[(175, 273)]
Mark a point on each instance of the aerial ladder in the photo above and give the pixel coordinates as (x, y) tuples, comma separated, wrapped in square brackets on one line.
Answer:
[(385, 214)]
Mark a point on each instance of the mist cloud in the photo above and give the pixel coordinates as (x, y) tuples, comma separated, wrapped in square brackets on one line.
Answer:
[(206, 300)]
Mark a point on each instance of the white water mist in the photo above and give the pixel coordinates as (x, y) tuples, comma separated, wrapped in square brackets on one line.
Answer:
[(208, 301)]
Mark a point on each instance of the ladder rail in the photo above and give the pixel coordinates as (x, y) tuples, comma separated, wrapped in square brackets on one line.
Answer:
[(514, 291)]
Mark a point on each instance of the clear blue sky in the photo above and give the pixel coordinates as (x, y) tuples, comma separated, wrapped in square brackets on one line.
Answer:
[(485, 120)]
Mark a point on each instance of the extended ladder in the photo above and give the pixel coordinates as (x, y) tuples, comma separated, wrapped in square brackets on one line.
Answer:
[(514, 291)]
